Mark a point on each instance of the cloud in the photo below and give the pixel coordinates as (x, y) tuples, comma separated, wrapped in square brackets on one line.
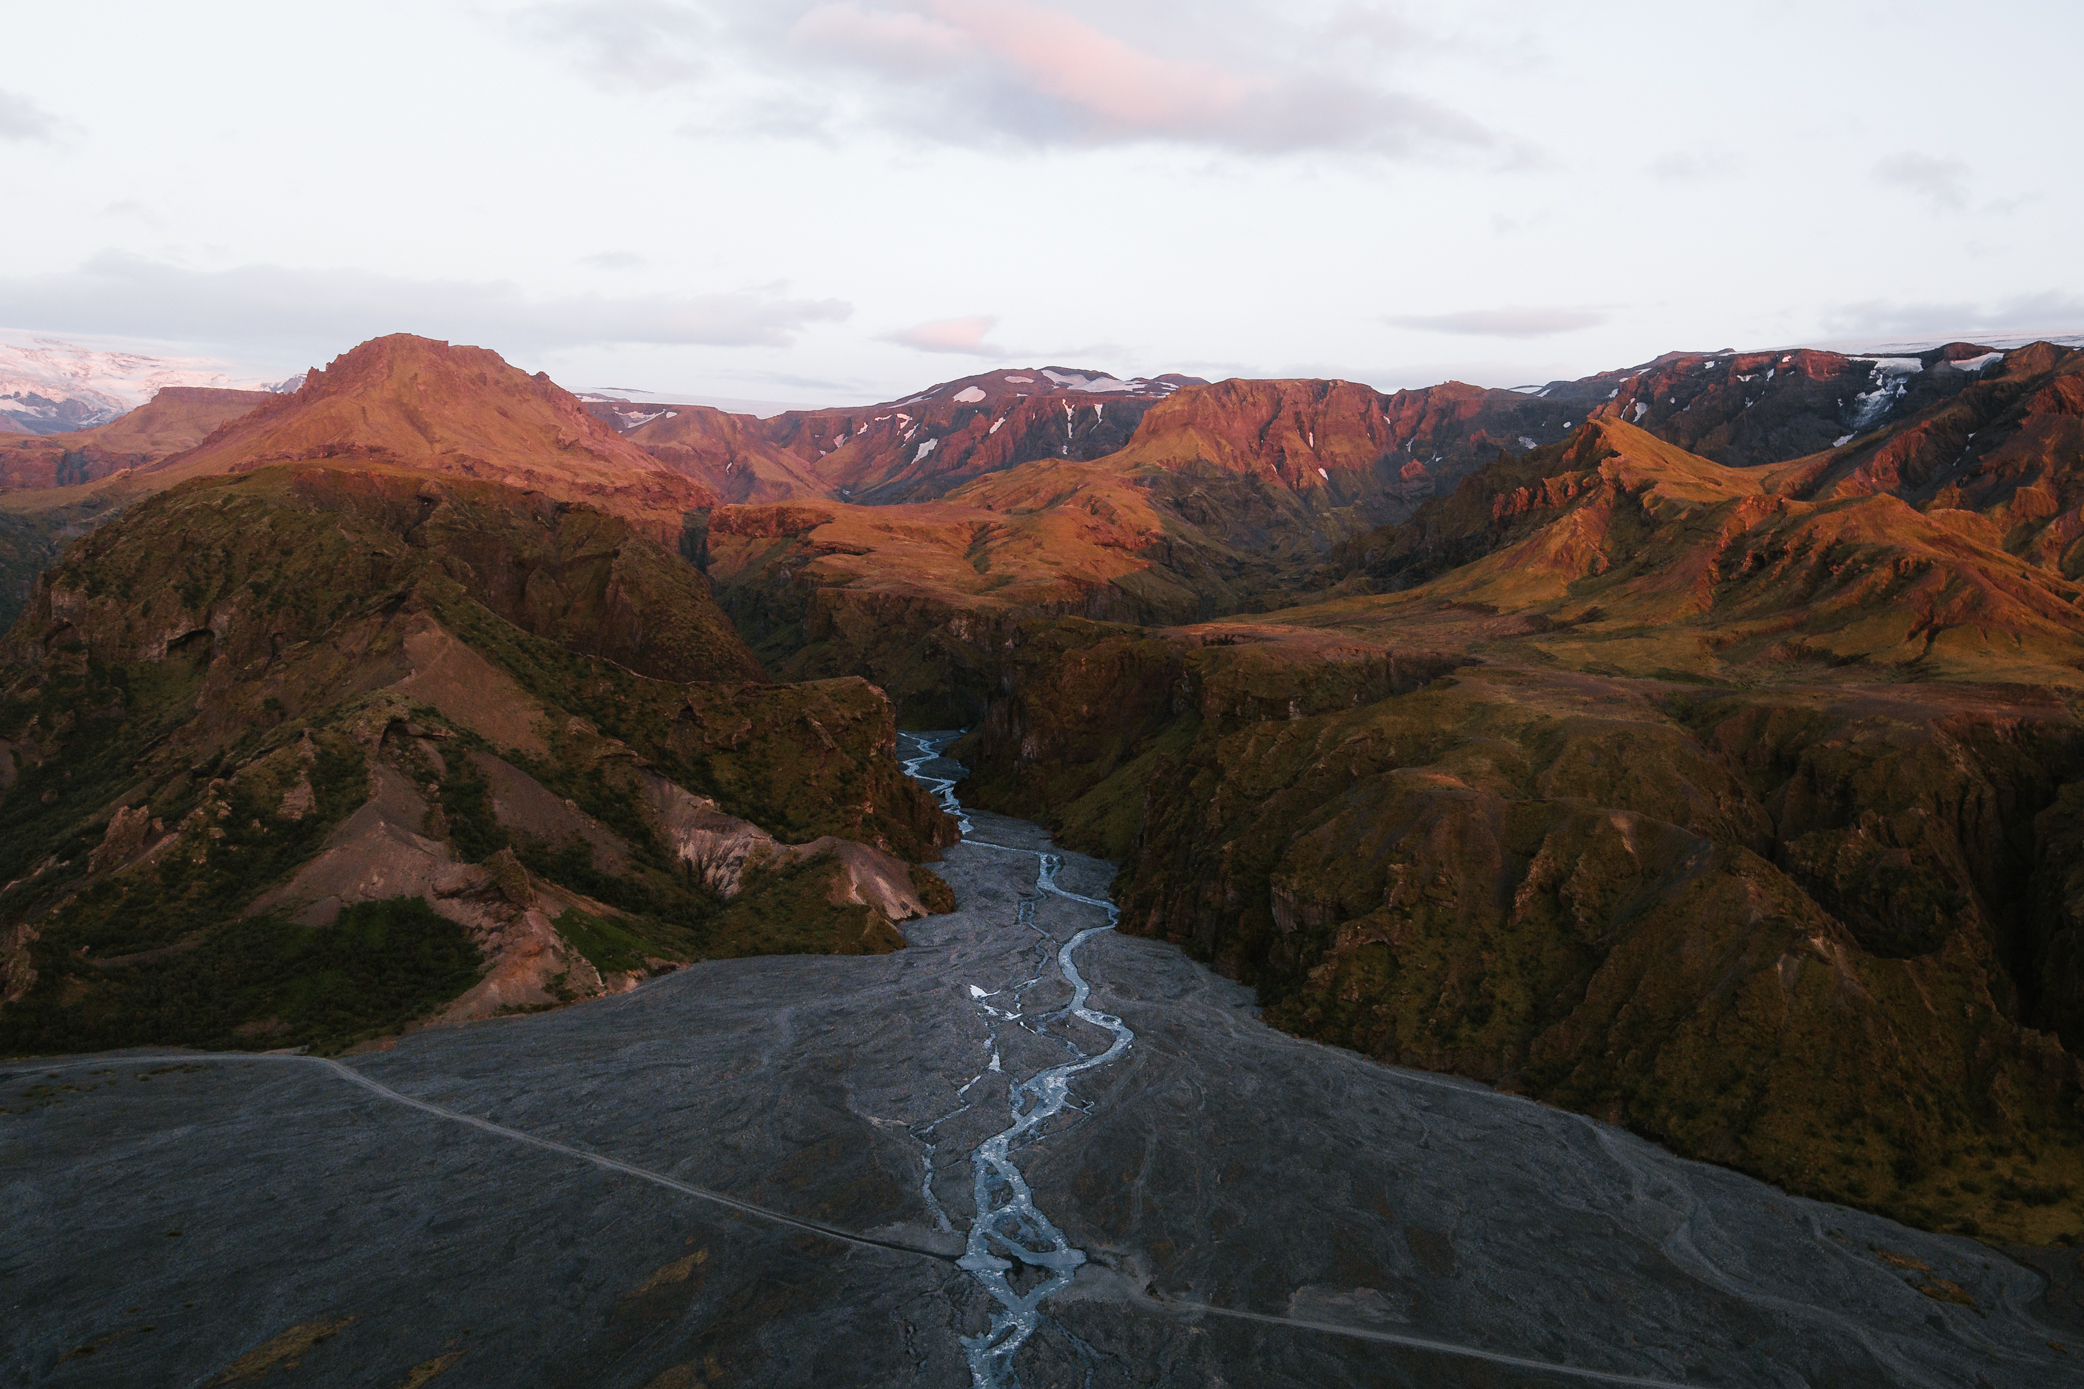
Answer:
[(122, 294), (613, 260), (625, 43), (1034, 74), (23, 119), (2048, 311), (1502, 323), (1941, 182), (1687, 166), (132, 208), (959, 335), (998, 72)]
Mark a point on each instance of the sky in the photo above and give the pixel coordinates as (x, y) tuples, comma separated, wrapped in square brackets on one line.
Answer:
[(840, 201)]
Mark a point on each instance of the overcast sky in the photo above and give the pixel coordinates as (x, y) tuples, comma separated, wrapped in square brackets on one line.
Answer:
[(838, 202)]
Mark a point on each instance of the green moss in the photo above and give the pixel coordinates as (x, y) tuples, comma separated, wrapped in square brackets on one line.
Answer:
[(1596, 906), (259, 983), (611, 946), (787, 910), (934, 892)]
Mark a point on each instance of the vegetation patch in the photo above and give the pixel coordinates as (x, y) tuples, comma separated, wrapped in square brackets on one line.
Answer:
[(259, 984)]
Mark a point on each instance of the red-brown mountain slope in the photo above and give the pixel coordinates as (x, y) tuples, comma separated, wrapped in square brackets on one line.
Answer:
[(927, 444), (177, 418), (2009, 447), (1630, 553), (461, 411), (1750, 408), (729, 454)]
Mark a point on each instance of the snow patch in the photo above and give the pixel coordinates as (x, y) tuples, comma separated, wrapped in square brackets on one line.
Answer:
[(968, 395), (1022, 380), (1326, 476), (1892, 375), (1075, 382), (995, 425), (50, 386), (1841, 441), (924, 449), (1641, 408), (1975, 364), (1527, 443)]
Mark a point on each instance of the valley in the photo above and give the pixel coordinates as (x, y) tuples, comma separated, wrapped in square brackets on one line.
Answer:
[(752, 1171), (1054, 879)]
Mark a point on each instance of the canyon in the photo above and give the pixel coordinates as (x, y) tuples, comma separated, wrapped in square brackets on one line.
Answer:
[(1326, 861)]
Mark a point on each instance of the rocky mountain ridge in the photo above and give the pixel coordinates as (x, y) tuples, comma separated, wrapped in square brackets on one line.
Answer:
[(174, 420), (53, 387)]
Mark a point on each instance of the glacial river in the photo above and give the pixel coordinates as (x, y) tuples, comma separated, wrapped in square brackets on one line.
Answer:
[(717, 1178), (1010, 1241)]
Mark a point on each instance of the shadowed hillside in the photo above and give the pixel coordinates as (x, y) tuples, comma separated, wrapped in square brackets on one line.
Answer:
[(1653, 791)]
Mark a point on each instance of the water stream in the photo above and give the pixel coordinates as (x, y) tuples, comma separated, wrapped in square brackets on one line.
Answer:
[(1014, 1252)]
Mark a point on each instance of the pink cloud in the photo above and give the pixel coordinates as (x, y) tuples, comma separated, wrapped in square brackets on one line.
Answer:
[(1011, 68), (1123, 90), (962, 335)]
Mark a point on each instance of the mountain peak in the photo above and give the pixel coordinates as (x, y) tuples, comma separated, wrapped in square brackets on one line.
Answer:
[(419, 403)]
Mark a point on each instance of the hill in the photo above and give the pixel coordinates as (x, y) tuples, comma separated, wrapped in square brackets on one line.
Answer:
[(505, 751), (1657, 788), (174, 420), (728, 454), (458, 411)]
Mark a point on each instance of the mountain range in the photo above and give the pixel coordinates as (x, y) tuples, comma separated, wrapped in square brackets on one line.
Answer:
[(1694, 745), (53, 387)]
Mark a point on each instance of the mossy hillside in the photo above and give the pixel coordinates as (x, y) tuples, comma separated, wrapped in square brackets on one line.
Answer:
[(259, 983), (279, 554), (139, 927), (27, 548), (185, 661), (278, 591), (800, 760), (1611, 895), (783, 909), (651, 907), (1091, 711), (570, 573)]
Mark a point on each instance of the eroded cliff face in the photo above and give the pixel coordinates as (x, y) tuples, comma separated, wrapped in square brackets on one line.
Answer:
[(1824, 935)]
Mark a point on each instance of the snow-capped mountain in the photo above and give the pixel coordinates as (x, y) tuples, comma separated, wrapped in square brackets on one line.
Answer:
[(48, 386)]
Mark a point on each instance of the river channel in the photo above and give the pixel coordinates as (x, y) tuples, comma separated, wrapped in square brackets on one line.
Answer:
[(1026, 1149)]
